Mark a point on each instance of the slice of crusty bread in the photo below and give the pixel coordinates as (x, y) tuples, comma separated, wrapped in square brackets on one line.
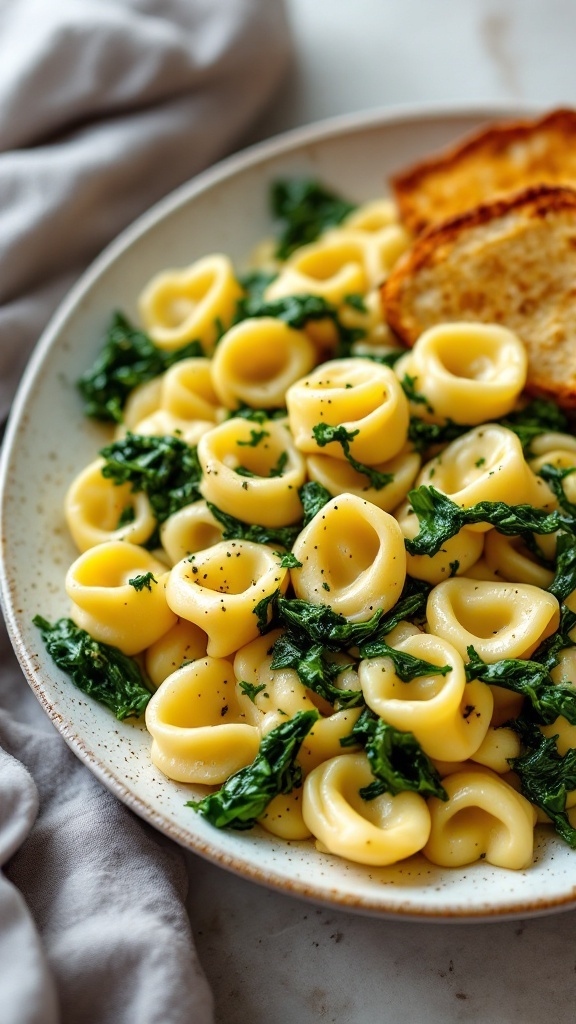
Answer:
[(496, 161), (511, 262)]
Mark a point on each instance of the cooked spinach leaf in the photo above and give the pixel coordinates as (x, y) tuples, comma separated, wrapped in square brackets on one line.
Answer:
[(554, 477), (304, 209), (532, 680), (564, 581), (128, 358), (99, 670), (325, 434), (396, 759), (313, 497), (441, 518), (237, 529), (245, 796), (314, 668), (406, 666), (537, 417), (165, 468), (547, 653), (546, 778), (320, 624), (297, 311), (266, 612), (255, 282), (423, 435)]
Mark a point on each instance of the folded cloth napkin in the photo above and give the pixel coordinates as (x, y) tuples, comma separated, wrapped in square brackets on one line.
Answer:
[(105, 106)]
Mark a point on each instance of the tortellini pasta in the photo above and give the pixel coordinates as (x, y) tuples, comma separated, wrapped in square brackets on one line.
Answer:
[(471, 372), (219, 588), (179, 306), (96, 510), (202, 728), (379, 832), (448, 716), (257, 361), (340, 477), (271, 581), (364, 398), (485, 464), (500, 620), (109, 606), (352, 557), (483, 817), (255, 482)]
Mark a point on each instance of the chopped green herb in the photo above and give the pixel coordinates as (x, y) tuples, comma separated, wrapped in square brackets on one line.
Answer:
[(325, 434), (409, 388), (99, 670), (245, 796), (255, 437), (288, 560), (144, 581), (251, 690)]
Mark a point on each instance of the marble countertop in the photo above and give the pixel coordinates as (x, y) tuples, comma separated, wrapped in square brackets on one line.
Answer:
[(270, 958)]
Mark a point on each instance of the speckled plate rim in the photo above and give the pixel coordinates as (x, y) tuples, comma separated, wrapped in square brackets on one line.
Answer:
[(210, 844)]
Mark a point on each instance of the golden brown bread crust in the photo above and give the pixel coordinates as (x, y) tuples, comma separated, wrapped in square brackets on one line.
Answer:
[(512, 262), (495, 161)]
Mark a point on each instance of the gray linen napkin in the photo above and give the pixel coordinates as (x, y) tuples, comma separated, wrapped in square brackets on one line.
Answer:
[(105, 105)]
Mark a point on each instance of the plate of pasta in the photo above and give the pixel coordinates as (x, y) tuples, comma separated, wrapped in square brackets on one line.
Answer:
[(288, 523)]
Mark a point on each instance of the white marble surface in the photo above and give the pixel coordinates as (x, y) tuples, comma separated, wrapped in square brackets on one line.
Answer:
[(272, 959)]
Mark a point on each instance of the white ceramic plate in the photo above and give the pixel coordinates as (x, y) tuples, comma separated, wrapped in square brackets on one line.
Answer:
[(48, 442)]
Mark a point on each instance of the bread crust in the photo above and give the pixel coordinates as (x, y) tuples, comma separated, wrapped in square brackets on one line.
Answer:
[(511, 261), (495, 161)]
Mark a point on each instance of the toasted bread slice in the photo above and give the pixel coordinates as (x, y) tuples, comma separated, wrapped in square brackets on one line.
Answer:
[(494, 162), (511, 262)]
